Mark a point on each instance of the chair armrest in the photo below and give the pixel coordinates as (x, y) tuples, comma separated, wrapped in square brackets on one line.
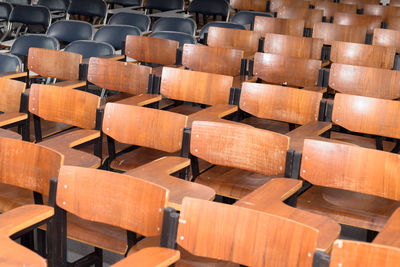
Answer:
[(150, 257), (316, 89), (140, 100), (213, 113), (12, 117), (71, 84), (308, 131), (114, 57), (390, 234), (13, 74)]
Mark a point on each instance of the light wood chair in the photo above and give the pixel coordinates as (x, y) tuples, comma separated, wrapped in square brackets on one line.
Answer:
[(330, 8), (257, 5), (310, 16), (393, 23), (388, 38), (332, 32), (360, 3), (383, 11), (293, 27), (276, 5), (371, 22)]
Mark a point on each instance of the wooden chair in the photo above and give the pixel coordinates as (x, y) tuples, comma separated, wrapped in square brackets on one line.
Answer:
[(393, 23), (394, 3), (360, 3), (71, 107), (362, 55), (160, 134), (383, 11), (353, 185), (371, 22), (310, 17), (332, 32), (388, 38), (330, 8), (264, 25), (258, 5), (276, 5)]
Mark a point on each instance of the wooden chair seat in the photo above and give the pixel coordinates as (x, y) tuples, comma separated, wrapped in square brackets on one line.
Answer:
[(346, 207), (12, 117), (9, 134), (12, 197), (360, 140)]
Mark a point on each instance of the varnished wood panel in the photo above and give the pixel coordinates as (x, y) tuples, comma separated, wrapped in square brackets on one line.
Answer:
[(353, 168), (151, 50), (293, 46), (237, 234), (276, 5), (363, 55), (146, 127), (148, 257), (28, 165), (66, 105), (263, 25), (332, 32), (371, 22), (310, 16), (256, 5), (365, 81), (360, 3), (388, 38), (194, 86), (383, 11), (239, 146), (268, 101), (112, 198), (389, 235), (286, 70), (234, 38), (119, 76), (219, 60), (367, 115), (393, 23), (54, 63), (10, 94), (394, 3), (331, 8)]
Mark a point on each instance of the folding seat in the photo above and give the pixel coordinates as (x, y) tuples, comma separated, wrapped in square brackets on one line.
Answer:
[(162, 5), (204, 30), (67, 31), (209, 8), (294, 27), (182, 38), (310, 17), (183, 25), (346, 33), (89, 48), (330, 8), (93, 10), (257, 5), (115, 35), (246, 18), (139, 20)]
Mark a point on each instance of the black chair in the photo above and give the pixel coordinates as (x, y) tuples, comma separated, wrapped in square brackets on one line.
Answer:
[(184, 25), (115, 35), (22, 44), (139, 20), (95, 9), (163, 5), (247, 17), (5, 10), (209, 8), (9, 63), (204, 31), (182, 38), (18, 2), (88, 48), (35, 19), (125, 3), (67, 31), (55, 5)]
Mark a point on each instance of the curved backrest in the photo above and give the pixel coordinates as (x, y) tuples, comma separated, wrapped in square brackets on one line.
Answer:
[(294, 27), (210, 7), (54, 63), (182, 38), (239, 146), (139, 20), (371, 22), (383, 11), (70, 30), (185, 25), (267, 101), (31, 15), (163, 5), (247, 17), (310, 16), (367, 115), (365, 81), (256, 5), (349, 167), (219, 60), (22, 44), (221, 24), (18, 2), (332, 32), (55, 5), (276, 5), (28, 165), (393, 23), (97, 8), (118, 76), (193, 86), (11, 91), (126, 3), (65, 105), (360, 3), (385, 37), (363, 55), (89, 48), (331, 8), (292, 71), (236, 234), (294, 46), (112, 198), (10, 63), (5, 10), (115, 35), (158, 129)]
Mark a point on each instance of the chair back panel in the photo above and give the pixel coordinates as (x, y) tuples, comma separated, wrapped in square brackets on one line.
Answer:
[(264, 25), (11, 91), (276, 5), (331, 8), (371, 22), (388, 38), (332, 32), (256, 5), (310, 16)]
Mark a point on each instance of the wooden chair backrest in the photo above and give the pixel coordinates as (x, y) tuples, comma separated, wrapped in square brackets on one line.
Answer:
[(354, 168), (394, 2), (355, 253), (243, 147), (332, 32), (276, 5), (363, 55), (267, 101), (278, 69), (194, 86), (11, 90), (54, 63), (234, 38), (28, 165), (151, 50), (255, 5), (112, 198), (393, 23), (302, 47), (383, 11), (119, 76), (365, 81), (218, 60), (388, 38), (360, 3), (237, 234), (263, 25), (158, 129), (367, 115), (371, 22), (65, 105), (330, 8), (310, 16)]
